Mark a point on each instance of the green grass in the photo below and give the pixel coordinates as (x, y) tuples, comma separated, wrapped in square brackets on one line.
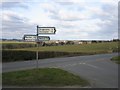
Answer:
[(42, 77), (116, 59), (85, 48)]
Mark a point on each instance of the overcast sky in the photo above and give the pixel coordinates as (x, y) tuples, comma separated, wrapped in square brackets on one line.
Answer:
[(73, 19)]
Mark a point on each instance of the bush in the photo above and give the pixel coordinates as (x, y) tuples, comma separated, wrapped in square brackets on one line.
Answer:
[(8, 55), (13, 55), (15, 46)]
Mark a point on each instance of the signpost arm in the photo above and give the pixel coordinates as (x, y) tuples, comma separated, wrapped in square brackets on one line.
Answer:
[(37, 50)]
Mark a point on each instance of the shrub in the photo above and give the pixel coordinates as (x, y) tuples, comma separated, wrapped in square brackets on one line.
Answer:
[(15, 46), (13, 55)]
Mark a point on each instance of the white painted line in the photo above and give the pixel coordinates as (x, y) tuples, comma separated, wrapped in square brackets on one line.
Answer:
[(70, 65), (74, 64), (83, 63), (93, 66)]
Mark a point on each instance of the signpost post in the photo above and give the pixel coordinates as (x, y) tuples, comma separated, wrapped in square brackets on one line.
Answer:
[(37, 49)]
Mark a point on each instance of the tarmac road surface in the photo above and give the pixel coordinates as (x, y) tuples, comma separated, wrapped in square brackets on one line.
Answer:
[(98, 69)]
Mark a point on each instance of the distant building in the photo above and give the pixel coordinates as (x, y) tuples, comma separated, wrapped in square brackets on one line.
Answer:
[(80, 42), (57, 42), (89, 42)]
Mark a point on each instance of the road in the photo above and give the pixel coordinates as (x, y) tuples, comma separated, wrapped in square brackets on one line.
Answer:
[(98, 69)]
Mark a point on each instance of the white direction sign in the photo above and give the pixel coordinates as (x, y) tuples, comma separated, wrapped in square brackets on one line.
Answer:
[(34, 38), (30, 37), (46, 30), (43, 38)]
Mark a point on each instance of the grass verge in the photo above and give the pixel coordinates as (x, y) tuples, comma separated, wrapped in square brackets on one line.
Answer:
[(42, 77), (116, 59)]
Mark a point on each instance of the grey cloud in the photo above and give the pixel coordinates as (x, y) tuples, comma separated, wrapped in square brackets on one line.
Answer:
[(119, 20), (69, 6), (109, 12), (16, 26), (57, 17), (108, 30), (10, 5), (65, 3), (111, 28)]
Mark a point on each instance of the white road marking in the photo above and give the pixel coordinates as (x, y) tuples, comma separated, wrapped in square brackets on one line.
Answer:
[(74, 64), (83, 63), (93, 66)]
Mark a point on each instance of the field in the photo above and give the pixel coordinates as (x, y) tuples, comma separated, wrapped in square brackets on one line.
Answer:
[(42, 77), (96, 47), (14, 51)]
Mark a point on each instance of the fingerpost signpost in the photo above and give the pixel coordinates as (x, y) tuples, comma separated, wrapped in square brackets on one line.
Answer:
[(43, 30), (36, 38)]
